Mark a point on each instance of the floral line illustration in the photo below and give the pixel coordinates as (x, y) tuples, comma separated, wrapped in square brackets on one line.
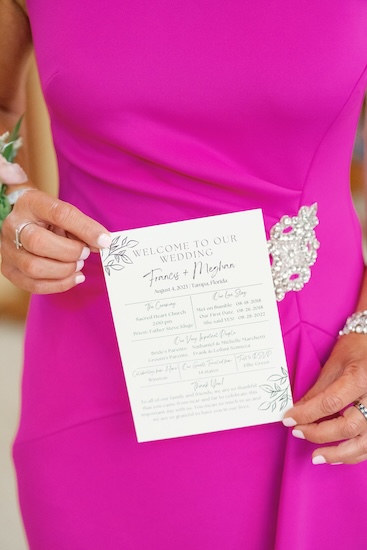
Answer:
[(116, 257), (279, 392)]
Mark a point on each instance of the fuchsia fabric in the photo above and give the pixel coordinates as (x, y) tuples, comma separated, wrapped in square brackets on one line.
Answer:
[(165, 110)]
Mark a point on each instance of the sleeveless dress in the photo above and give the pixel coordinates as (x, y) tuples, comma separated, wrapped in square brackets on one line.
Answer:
[(165, 110)]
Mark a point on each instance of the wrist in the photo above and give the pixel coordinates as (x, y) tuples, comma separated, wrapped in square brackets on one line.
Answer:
[(13, 196)]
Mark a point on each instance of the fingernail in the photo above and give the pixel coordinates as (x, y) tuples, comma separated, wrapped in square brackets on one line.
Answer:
[(79, 279), (336, 463), (319, 459), (104, 240), (79, 265), (289, 422), (85, 253), (299, 434)]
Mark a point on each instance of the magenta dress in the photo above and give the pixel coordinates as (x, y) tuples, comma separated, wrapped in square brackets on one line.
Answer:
[(166, 110)]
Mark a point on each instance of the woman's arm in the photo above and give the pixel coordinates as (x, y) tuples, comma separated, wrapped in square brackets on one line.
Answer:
[(15, 49), (48, 260), (342, 382)]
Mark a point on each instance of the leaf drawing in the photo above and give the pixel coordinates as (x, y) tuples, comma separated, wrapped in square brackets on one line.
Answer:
[(283, 404), (131, 243), (267, 388), (126, 259), (116, 255), (279, 392)]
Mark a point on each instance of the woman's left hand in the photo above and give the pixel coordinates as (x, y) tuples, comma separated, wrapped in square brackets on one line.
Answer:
[(342, 382)]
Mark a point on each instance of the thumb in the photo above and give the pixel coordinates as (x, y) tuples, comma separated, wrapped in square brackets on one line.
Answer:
[(328, 374)]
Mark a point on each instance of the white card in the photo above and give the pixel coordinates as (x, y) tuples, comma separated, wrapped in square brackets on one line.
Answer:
[(197, 325)]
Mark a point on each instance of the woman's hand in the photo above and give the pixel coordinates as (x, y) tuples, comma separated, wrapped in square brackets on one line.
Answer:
[(342, 382), (54, 245)]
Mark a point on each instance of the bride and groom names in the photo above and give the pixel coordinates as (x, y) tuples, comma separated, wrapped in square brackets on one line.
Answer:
[(177, 252)]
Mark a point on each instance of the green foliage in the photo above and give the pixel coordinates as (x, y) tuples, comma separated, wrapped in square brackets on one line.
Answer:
[(9, 148), (5, 206)]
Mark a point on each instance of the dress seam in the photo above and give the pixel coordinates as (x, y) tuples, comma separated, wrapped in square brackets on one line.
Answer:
[(65, 429), (333, 336), (301, 322)]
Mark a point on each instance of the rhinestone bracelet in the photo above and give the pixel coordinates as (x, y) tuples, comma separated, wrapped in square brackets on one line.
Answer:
[(355, 323)]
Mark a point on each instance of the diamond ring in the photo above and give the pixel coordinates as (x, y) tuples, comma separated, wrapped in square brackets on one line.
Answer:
[(361, 408)]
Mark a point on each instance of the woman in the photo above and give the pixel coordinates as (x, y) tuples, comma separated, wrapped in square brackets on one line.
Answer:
[(164, 111)]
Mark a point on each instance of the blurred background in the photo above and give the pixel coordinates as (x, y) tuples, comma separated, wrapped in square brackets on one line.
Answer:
[(14, 302), (13, 309)]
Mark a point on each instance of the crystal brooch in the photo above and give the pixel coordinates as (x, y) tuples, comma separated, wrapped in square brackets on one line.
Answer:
[(293, 248)]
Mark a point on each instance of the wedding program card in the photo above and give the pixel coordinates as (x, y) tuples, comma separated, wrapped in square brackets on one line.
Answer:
[(197, 325)]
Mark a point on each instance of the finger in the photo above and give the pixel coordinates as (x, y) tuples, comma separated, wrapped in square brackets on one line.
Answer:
[(328, 374), (352, 451), (36, 267), (59, 231), (347, 426), (71, 236), (42, 286), (333, 399), (61, 214), (42, 242)]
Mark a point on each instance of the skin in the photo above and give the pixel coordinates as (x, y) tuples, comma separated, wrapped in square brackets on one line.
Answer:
[(56, 244), (61, 237)]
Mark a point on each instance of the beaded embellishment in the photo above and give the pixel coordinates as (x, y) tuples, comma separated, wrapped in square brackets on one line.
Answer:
[(355, 323), (293, 248)]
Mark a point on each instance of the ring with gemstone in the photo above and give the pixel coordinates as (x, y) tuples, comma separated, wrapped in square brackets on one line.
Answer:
[(361, 408)]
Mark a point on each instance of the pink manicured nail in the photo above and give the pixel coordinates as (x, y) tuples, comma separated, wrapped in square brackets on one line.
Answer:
[(85, 253), (79, 279), (335, 463), (319, 459), (289, 422), (104, 240), (298, 433), (79, 265)]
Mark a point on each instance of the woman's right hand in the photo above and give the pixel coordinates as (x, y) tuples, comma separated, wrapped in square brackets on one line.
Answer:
[(54, 245)]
